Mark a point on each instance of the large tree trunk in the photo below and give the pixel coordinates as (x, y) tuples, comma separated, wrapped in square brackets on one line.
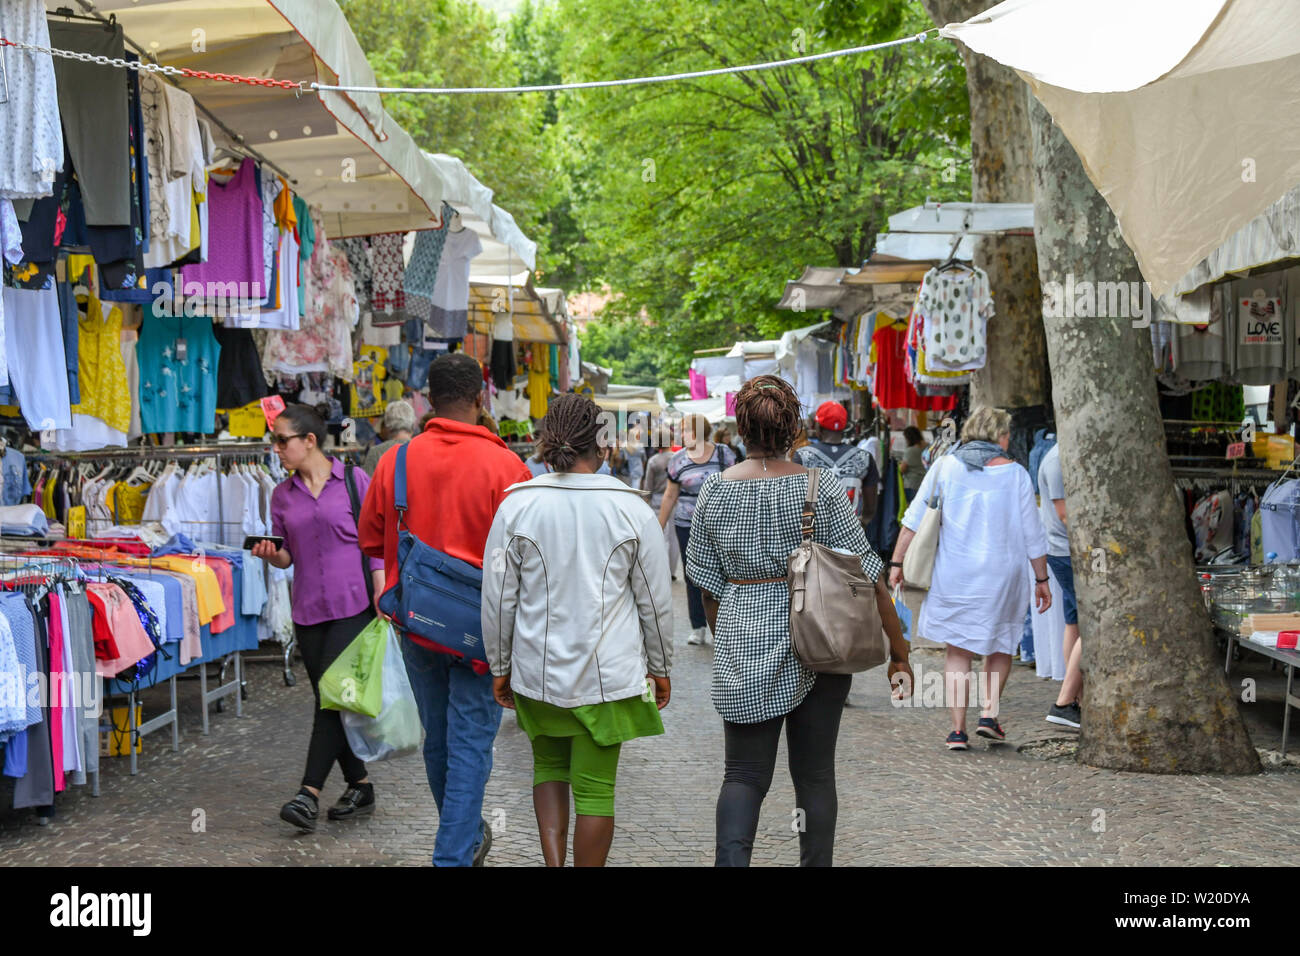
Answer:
[(1015, 374), (1155, 698)]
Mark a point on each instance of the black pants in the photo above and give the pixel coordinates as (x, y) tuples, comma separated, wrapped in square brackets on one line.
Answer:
[(811, 730), (320, 644), (694, 600)]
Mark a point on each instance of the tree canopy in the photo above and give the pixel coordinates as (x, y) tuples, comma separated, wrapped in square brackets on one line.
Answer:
[(692, 201)]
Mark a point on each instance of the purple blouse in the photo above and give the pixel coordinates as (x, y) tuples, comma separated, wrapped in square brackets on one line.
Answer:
[(321, 537), (235, 252)]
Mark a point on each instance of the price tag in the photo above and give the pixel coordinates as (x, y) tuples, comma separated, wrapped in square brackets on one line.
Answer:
[(182, 350), (1236, 449), (272, 406)]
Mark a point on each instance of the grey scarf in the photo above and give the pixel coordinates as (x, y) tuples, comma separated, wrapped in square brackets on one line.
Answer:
[(976, 454)]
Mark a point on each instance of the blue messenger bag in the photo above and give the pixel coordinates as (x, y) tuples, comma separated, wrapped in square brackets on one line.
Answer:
[(436, 596)]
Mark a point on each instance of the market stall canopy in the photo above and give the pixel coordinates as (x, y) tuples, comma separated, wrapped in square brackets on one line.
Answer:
[(342, 152), (632, 398), (969, 218), (1179, 109), (537, 315), (713, 409)]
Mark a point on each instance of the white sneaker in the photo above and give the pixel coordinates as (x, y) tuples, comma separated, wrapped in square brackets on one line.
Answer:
[(697, 636), (708, 637)]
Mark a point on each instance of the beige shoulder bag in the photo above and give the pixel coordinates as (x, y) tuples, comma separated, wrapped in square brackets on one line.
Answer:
[(834, 621)]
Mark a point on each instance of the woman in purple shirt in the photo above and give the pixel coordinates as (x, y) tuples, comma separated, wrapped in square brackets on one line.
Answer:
[(312, 511)]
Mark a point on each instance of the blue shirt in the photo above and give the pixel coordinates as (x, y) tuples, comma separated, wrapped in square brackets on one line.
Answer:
[(177, 394), (17, 485)]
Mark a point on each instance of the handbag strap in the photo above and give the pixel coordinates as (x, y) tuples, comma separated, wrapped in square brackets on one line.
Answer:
[(399, 485), (809, 513), (350, 480)]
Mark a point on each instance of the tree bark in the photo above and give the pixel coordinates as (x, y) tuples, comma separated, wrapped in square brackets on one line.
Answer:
[(1015, 374), (1155, 698)]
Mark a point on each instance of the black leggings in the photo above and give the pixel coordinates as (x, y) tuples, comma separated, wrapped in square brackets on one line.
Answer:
[(319, 645), (810, 732), (694, 600)]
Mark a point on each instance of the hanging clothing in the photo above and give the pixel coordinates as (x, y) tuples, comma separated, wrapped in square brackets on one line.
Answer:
[(29, 112), (178, 386), (34, 349), (234, 210), (539, 388), (449, 301), (956, 305)]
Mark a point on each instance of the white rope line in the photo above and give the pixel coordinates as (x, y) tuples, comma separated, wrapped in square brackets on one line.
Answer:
[(144, 65), (634, 81)]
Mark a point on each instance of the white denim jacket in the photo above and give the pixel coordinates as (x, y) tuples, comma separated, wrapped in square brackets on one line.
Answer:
[(577, 601)]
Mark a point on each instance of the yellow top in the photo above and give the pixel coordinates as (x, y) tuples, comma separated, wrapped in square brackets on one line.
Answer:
[(127, 501), (101, 369)]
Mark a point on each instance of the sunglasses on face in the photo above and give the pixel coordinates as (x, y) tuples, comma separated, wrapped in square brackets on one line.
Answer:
[(280, 441)]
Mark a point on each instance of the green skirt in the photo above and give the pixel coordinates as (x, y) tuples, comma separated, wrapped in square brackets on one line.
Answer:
[(609, 723)]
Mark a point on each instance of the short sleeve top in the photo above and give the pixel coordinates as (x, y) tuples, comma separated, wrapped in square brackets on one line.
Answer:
[(690, 476), (742, 531)]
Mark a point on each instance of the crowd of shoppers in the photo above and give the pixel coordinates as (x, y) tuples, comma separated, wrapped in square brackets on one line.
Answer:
[(583, 656)]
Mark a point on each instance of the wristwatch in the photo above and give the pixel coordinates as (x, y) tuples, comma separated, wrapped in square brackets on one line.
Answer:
[(895, 564)]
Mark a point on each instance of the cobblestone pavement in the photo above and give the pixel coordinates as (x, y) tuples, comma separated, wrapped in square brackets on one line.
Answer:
[(904, 799)]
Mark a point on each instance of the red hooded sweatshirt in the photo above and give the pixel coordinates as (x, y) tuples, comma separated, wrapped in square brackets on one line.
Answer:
[(456, 477)]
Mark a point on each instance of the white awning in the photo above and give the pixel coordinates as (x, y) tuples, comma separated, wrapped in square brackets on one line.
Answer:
[(342, 152), (1180, 109)]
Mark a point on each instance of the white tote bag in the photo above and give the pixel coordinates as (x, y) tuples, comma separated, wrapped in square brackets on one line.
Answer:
[(918, 562)]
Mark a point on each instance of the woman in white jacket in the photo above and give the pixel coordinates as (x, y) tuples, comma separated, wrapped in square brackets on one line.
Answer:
[(577, 626)]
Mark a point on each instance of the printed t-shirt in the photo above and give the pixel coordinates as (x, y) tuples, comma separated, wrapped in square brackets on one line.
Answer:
[(177, 394), (690, 476)]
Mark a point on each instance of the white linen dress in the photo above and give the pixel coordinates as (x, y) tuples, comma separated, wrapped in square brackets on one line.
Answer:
[(989, 531)]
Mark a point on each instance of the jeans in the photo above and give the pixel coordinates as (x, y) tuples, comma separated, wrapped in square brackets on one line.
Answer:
[(694, 600), (460, 719), (811, 730), (1027, 636), (320, 645)]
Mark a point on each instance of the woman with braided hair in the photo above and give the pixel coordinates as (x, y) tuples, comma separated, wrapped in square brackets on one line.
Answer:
[(745, 525), (577, 626)]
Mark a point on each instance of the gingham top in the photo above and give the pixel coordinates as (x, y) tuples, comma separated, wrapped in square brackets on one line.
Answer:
[(743, 530)]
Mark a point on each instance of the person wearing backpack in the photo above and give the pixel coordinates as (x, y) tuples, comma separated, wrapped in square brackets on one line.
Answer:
[(575, 655), (454, 476), (746, 523), (314, 511), (854, 467)]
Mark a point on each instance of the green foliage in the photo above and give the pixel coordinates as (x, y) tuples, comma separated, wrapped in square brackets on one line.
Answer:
[(694, 200), (705, 196)]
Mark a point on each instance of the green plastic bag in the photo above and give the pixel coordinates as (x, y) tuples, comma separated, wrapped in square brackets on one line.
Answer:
[(355, 681)]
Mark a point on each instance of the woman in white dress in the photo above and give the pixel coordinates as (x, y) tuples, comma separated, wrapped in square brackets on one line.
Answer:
[(990, 538)]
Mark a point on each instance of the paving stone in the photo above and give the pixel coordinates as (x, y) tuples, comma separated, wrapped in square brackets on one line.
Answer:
[(903, 797)]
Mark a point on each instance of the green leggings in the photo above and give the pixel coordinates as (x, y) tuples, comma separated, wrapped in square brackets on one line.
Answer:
[(586, 766)]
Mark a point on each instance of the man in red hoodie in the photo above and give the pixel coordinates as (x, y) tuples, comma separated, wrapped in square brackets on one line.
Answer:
[(457, 472)]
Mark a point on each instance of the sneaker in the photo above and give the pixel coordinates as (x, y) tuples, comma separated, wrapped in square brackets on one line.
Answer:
[(301, 811), (1067, 716), (1027, 661), (991, 730), (708, 637), (697, 636), (358, 800), (481, 851), (958, 741)]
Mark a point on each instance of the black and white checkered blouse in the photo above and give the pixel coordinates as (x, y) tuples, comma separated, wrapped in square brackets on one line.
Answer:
[(743, 530)]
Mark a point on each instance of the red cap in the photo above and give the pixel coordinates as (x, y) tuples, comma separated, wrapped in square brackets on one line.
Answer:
[(832, 416)]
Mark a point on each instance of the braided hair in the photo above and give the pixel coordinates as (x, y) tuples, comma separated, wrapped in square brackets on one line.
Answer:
[(768, 414), (569, 431)]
